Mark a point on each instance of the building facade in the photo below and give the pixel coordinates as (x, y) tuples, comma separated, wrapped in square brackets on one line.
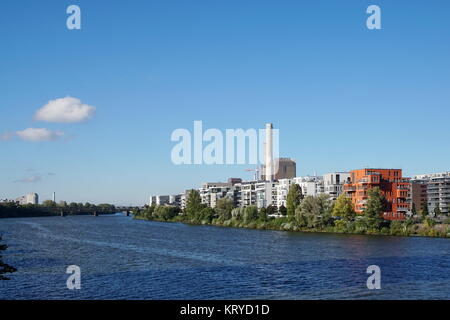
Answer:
[(266, 194), (31, 198), (438, 191), (334, 183), (392, 185), (284, 168), (172, 200), (310, 186), (418, 196)]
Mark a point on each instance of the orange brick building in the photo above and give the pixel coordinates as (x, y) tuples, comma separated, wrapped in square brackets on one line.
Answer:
[(392, 185)]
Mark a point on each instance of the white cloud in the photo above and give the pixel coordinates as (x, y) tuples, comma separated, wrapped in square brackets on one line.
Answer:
[(38, 134), (66, 110)]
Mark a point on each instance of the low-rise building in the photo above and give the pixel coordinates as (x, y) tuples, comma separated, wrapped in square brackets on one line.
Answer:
[(172, 200)]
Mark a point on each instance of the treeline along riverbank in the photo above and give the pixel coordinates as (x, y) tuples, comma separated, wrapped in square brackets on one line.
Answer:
[(308, 214), (49, 208)]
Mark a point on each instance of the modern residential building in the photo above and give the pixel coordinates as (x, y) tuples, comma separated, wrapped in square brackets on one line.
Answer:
[(282, 191), (210, 192), (438, 191), (418, 195), (31, 198), (248, 193), (266, 193), (334, 183), (392, 185), (310, 185), (173, 200)]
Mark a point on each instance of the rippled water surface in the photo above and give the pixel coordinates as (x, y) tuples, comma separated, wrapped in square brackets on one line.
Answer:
[(122, 258)]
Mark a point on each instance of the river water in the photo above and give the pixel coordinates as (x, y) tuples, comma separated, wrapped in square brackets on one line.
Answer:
[(122, 258)]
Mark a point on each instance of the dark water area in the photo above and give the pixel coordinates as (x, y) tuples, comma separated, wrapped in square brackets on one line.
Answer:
[(122, 258)]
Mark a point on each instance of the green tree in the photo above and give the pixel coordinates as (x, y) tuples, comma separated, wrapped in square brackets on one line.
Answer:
[(49, 203), (315, 212), (262, 214), (282, 210), (437, 211), (250, 213), (148, 211), (376, 205), (4, 268), (271, 210), (343, 207), (424, 210), (62, 204), (166, 212), (223, 208), (206, 214), (293, 199), (300, 218), (237, 213), (193, 203)]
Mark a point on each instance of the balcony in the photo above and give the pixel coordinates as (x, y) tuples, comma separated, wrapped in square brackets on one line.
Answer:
[(349, 188)]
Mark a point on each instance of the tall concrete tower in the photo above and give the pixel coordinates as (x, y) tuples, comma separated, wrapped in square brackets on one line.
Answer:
[(54, 196), (269, 152)]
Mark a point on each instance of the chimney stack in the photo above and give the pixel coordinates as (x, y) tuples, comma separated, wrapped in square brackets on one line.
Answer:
[(269, 152)]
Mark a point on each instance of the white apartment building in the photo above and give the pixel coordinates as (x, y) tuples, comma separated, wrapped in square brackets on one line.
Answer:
[(173, 200), (31, 198), (333, 183), (248, 194), (266, 193), (438, 190), (310, 185), (210, 192)]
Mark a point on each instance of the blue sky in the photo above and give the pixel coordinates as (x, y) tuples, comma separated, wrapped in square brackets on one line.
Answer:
[(342, 96)]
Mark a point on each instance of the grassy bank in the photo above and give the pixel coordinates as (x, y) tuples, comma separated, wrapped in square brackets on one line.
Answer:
[(395, 228)]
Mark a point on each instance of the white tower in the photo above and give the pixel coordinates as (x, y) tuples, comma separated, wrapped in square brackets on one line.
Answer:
[(269, 152), (54, 196)]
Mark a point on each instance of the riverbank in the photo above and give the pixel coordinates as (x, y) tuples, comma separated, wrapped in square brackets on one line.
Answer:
[(400, 228), (12, 210)]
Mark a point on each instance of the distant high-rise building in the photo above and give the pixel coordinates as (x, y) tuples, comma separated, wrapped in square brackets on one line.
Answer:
[(31, 198)]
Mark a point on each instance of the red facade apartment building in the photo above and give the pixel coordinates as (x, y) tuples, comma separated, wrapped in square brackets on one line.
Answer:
[(392, 185)]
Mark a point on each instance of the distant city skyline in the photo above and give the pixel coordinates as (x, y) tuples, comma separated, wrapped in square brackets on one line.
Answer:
[(88, 113)]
